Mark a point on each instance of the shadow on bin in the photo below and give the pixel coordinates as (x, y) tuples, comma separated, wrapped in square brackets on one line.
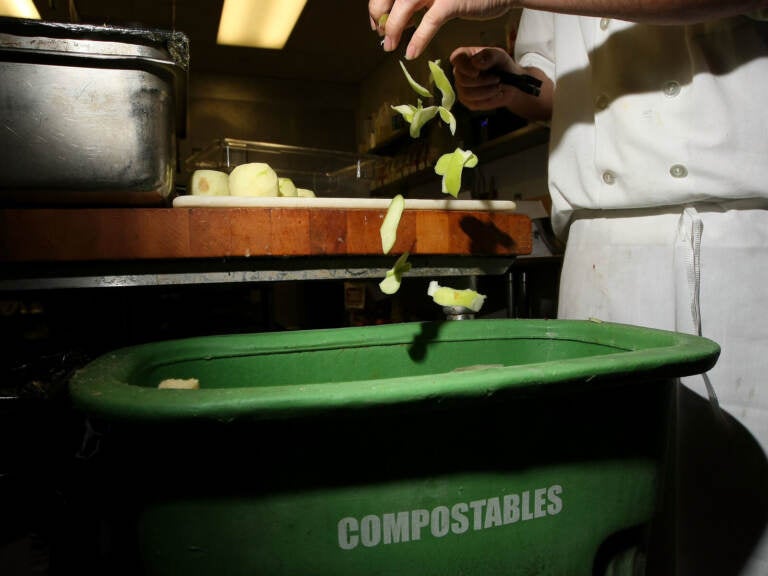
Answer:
[(720, 495)]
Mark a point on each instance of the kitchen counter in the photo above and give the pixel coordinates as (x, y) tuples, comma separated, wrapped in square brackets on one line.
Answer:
[(51, 248)]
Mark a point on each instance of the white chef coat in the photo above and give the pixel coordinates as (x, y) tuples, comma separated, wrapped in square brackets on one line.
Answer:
[(648, 116), (658, 173)]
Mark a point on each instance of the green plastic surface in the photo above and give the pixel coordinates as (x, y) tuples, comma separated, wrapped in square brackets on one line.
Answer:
[(480, 447), (271, 375)]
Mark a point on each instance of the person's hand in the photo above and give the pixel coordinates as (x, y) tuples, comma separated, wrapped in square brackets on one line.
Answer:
[(477, 87), (402, 12)]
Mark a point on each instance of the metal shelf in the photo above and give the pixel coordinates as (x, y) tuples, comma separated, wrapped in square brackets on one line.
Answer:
[(35, 276)]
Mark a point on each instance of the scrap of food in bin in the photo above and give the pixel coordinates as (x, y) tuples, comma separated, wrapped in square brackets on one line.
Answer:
[(305, 193), (180, 384), (210, 183), (388, 229), (446, 296), (253, 179), (394, 276), (450, 167), (286, 187), (476, 367)]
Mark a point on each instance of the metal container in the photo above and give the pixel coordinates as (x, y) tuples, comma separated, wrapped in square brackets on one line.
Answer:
[(90, 114), (478, 447)]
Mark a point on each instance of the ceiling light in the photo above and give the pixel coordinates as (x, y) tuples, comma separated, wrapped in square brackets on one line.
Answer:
[(258, 23), (19, 9)]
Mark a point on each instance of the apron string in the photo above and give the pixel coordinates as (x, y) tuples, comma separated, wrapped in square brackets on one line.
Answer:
[(691, 229)]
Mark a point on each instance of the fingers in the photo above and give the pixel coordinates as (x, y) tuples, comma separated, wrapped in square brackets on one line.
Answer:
[(399, 15), (478, 91), (476, 87), (433, 19), (473, 62), (485, 97), (376, 9), (461, 59), (492, 58), (471, 68), (479, 81)]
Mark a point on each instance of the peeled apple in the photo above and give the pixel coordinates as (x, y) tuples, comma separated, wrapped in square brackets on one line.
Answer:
[(450, 167), (253, 179), (421, 116), (418, 88), (305, 193), (286, 187), (446, 296), (210, 183), (443, 84), (394, 275)]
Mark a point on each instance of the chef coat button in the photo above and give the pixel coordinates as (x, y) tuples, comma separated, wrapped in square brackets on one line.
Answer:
[(609, 177), (672, 88), (678, 171), (604, 22), (602, 102)]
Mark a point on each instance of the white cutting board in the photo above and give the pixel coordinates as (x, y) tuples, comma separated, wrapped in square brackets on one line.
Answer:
[(340, 203)]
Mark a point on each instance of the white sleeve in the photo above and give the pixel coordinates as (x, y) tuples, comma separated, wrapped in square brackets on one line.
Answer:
[(535, 41)]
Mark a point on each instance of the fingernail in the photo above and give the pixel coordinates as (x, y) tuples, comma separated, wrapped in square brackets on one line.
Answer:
[(373, 23), (410, 53), (388, 44)]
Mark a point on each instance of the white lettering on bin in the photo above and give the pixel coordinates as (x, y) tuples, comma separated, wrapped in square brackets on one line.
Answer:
[(395, 528), (460, 522), (370, 531), (405, 526)]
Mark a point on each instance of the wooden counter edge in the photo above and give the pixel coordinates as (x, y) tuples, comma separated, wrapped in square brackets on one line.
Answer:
[(95, 234)]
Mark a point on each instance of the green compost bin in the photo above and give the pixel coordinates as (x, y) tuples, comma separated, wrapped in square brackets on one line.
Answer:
[(455, 448)]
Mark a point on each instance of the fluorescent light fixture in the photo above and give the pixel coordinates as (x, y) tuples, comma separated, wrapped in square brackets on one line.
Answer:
[(19, 9), (258, 23)]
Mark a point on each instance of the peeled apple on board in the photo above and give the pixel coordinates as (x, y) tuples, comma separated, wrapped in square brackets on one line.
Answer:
[(286, 187), (253, 179), (446, 296), (210, 183), (305, 193)]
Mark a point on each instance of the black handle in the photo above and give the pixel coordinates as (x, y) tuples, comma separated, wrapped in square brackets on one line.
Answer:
[(525, 82)]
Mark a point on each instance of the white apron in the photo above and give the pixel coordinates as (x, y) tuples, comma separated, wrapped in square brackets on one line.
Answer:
[(698, 269)]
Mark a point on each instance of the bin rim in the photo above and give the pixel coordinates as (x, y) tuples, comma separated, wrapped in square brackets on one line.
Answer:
[(102, 388)]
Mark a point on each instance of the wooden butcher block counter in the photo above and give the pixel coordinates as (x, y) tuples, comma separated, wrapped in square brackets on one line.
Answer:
[(349, 228), (276, 232)]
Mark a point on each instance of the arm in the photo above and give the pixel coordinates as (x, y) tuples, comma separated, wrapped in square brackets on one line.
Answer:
[(650, 11), (438, 12)]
